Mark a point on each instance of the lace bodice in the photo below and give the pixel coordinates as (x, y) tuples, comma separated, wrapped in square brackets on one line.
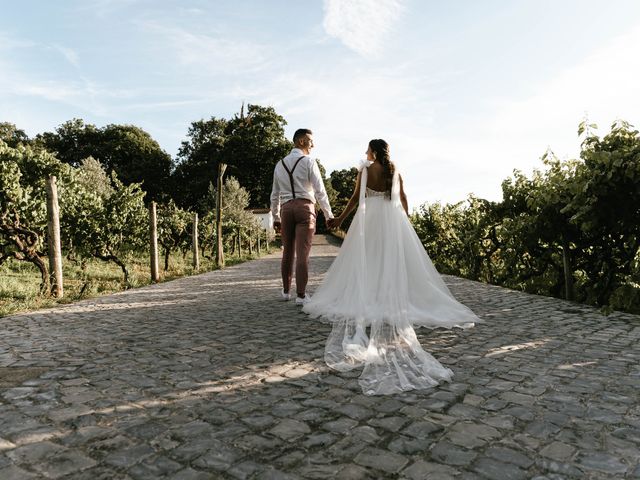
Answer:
[(375, 193)]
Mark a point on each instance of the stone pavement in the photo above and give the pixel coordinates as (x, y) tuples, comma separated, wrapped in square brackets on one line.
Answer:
[(212, 376)]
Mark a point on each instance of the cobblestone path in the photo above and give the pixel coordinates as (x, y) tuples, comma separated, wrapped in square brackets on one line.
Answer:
[(212, 376)]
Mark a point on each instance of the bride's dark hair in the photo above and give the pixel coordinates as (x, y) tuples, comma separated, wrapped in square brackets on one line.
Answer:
[(381, 150)]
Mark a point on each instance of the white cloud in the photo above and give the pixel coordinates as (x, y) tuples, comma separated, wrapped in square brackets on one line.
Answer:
[(69, 54), (361, 24), (81, 94), (211, 54), (348, 109)]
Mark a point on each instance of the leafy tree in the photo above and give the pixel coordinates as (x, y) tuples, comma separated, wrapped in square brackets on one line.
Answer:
[(120, 226), (255, 142), (437, 227), (540, 229), (103, 218), (332, 195), (479, 238), (250, 144), (93, 177), (127, 150), (235, 201), (606, 208), (207, 228), (207, 234), (236, 219), (342, 183), (174, 229), (12, 135), (72, 142), (136, 158), (82, 208), (197, 167)]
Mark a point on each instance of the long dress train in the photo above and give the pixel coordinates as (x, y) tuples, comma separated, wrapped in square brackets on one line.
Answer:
[(383, 279)]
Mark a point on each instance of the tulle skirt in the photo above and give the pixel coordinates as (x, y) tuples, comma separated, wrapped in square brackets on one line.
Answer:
[(381, 285)]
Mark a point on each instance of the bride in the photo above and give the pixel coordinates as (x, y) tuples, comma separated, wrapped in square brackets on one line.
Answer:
[(383, 280)]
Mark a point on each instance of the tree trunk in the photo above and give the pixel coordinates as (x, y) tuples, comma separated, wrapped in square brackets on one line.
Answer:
[(166, 259), (26, 242), (110, 257), (125, 272), (44, 274)]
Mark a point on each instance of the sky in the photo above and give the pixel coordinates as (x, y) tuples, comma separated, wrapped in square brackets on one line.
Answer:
[(464, 92)]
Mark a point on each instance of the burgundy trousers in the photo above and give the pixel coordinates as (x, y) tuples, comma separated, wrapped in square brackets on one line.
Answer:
[(298, 224)]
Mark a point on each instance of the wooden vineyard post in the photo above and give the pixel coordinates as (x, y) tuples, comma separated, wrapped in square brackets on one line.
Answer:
[(153, 233), (219, 251), (196, 258), (53, 230)]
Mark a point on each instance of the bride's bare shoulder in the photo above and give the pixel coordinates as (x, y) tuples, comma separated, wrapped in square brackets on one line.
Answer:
[(375, 170)]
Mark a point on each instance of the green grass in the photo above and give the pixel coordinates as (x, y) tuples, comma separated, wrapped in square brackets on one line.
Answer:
[(20, 281)]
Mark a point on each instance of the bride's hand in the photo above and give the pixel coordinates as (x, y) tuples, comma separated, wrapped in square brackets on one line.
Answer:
[(333, 223)]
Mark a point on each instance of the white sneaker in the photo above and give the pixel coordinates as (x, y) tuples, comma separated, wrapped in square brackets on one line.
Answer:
[(285, 296), (304, 300)]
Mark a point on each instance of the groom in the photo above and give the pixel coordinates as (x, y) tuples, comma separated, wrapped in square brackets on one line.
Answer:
[(297, 184)]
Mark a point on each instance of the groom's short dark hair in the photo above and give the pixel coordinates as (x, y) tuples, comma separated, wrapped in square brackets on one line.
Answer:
[(301, 132)]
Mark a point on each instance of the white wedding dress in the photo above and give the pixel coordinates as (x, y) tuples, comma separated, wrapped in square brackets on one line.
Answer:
[(383, 279)]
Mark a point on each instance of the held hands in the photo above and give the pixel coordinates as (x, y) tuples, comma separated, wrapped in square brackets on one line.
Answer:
[(277, 226), (334, 223)]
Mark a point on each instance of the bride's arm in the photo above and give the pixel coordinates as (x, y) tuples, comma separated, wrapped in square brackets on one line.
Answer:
[(403, 197), (353, 202)]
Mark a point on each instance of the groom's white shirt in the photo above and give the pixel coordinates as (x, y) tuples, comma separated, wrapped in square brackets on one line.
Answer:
[(307, 183)]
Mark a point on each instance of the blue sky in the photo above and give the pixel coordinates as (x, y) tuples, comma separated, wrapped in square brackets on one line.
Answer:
[(463, 91)]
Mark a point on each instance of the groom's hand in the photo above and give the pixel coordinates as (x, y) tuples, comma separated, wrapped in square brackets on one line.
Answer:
[(277, 226)]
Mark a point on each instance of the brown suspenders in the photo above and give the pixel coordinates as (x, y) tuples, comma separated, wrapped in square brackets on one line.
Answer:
[(290, 172)]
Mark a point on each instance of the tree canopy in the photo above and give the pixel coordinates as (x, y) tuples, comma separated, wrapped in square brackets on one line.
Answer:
[(127, 150), (12, 135), (250, 144)]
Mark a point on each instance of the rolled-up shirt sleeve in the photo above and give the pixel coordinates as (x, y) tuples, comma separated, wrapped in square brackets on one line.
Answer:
[(275, 198), (319, 190)]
